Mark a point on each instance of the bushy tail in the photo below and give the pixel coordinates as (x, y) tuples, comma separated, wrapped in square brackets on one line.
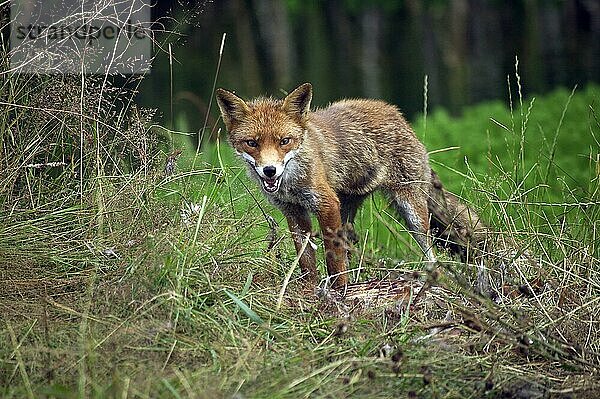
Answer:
[(461, 231), (454, 225)]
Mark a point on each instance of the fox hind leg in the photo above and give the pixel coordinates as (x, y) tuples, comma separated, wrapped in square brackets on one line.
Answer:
[(414, 211)]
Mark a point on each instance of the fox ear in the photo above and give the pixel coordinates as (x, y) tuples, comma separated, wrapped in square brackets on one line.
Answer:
[(233, 109), (297, 103)]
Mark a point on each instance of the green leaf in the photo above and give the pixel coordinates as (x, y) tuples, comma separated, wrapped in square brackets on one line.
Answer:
[(245, 308)]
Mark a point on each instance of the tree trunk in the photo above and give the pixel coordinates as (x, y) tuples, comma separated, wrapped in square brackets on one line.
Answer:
[(371, 31), (455, 55), (275, 31), (248, 63)]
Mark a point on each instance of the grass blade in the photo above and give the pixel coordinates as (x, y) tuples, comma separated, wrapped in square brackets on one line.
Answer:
[(245, 308)]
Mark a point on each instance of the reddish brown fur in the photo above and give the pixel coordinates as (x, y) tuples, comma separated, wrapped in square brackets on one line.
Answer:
[(336, 156)]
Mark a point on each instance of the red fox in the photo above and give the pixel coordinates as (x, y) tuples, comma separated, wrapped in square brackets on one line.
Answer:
[(326, 162)]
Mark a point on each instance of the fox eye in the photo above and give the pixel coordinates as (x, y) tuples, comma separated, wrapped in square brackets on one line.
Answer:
[(251, 143), (284, 141)]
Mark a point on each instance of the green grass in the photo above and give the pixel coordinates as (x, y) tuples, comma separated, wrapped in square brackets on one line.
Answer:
[(550, 141), (119, 281)]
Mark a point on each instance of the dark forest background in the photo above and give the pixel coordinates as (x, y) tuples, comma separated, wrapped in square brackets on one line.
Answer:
[(376, 48)]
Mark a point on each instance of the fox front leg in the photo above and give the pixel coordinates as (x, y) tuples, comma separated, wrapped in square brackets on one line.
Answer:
[(301, 228), (330, 221)]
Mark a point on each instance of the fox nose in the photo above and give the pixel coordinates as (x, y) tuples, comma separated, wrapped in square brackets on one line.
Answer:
[(269, 171)]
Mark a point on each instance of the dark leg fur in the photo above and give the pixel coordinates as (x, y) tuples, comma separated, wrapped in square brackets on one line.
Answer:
[(454, 225), (300, 226), (412, 207), (349, 205), (329, 217)]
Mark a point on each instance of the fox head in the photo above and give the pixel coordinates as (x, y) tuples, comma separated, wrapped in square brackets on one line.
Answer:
[(267, 133)]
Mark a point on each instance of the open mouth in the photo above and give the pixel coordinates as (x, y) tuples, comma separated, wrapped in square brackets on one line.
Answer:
[(271, 185)]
